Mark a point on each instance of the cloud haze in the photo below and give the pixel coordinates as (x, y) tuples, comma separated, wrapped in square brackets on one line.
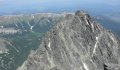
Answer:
[(12, 5)]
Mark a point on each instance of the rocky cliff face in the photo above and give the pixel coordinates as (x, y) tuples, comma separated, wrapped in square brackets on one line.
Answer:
[(76, 43)]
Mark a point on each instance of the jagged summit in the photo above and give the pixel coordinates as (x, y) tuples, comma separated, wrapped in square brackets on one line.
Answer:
[(76, 43), (82, 13), (85, 17)]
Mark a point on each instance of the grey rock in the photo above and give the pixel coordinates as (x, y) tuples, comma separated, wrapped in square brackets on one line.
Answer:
[(76, 43), (3, 48)]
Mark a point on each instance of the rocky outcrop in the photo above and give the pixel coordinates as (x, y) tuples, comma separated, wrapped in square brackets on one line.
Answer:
[(8, 31), (76, 43), (3, 48)]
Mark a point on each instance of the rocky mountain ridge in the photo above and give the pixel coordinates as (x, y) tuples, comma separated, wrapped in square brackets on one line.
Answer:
[(76, 43)]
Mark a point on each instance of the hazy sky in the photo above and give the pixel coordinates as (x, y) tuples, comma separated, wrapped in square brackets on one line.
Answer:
[(46, 5)]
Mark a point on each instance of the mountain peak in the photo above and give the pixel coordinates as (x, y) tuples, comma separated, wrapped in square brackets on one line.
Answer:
[(81, 13), (76, 43)]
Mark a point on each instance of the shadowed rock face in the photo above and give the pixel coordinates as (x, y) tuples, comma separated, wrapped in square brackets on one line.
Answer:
[(76, 43)]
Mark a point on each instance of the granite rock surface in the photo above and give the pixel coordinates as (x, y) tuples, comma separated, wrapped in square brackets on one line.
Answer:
[(76, 43)]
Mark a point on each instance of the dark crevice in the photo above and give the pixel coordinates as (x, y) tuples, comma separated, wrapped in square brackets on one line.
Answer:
[(105, 67)]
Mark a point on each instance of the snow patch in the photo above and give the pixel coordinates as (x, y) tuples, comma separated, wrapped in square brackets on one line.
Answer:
[(92, 27), (23, 67), (8, 30), (85, 66), (49, 44), (16, 25), (94, 50), (33, 17), (31, 27), (86, 20), (3, 51), (113, 39), (28, 23)]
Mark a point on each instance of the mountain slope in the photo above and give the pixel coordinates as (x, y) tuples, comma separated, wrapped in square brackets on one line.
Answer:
[(76, 43), (20, 34)]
